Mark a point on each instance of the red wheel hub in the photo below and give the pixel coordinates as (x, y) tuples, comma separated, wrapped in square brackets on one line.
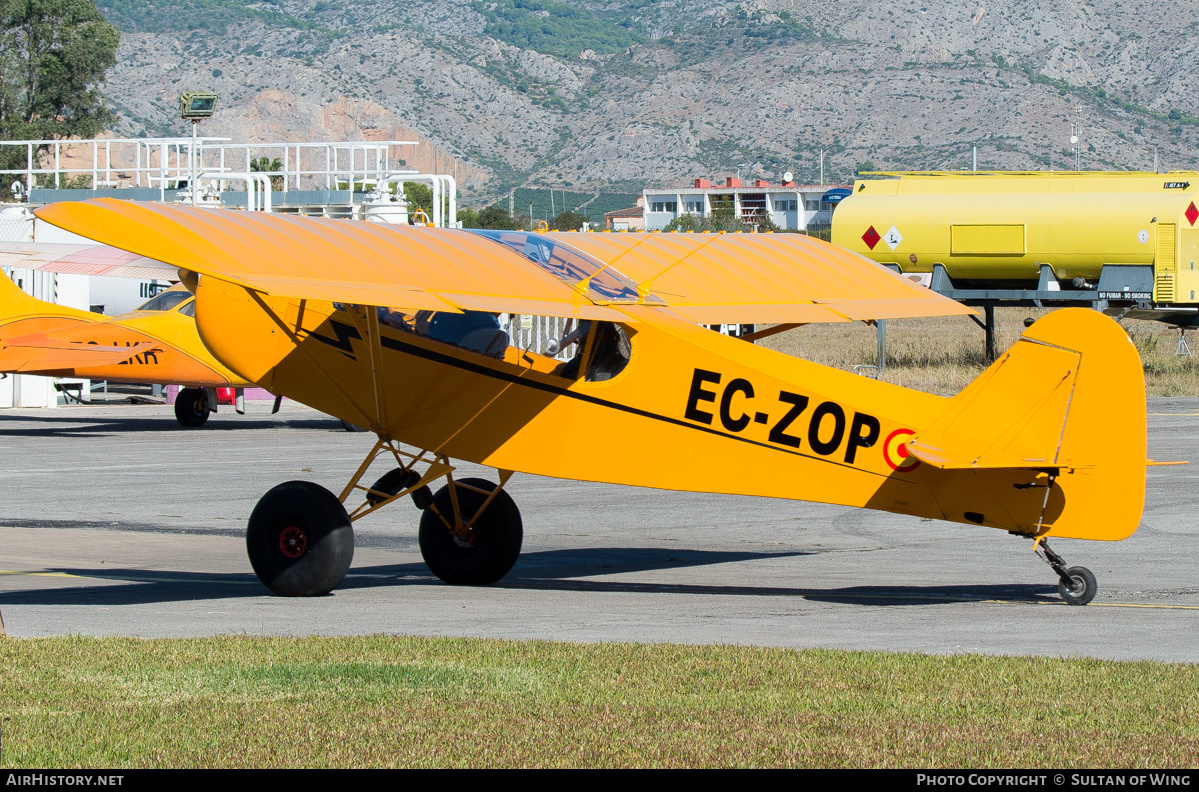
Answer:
[(292, 542)]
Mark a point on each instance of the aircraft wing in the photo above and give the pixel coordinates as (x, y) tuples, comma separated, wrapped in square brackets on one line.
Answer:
[(35, 353), (734, 278), (762, 278), (84, 260)]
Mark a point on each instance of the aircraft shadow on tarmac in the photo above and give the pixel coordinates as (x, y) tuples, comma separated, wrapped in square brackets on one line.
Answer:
[(552, 570), (76, 425)]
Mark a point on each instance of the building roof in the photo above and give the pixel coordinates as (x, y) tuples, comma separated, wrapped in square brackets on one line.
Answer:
[(632, 211)]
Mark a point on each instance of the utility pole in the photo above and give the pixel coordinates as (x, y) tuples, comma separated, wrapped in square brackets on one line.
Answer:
[(821, 167)]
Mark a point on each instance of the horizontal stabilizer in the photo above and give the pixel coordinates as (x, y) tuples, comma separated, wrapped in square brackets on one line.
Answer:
[(947, 460)]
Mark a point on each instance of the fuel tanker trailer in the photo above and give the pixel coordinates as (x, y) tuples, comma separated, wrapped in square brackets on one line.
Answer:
[(1125, 243)]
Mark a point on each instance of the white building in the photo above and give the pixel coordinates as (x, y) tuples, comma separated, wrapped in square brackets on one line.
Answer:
[(788, 205)]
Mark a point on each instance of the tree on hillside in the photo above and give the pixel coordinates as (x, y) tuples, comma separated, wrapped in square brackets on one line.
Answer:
[(493, 217), (53, 58), (568, 221)]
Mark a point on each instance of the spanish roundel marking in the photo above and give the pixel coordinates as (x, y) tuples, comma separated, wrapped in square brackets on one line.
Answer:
[(896, 454)]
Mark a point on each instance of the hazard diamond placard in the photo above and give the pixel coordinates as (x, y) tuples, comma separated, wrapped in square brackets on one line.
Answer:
[(871, 237)]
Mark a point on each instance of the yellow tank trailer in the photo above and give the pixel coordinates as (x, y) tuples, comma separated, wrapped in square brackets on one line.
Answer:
[(1124, 242)]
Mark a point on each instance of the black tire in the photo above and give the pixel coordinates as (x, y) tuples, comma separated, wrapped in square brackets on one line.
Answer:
[(392, 482), (191, 406), (351, 427), (1083, 586), (492, 546), (300, 540)]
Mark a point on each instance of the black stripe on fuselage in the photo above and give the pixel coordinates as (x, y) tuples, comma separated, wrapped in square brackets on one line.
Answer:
[(449, 360)]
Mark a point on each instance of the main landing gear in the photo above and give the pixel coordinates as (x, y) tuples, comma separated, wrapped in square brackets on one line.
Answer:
[(191, 406), (301, 540), (1076, 584)]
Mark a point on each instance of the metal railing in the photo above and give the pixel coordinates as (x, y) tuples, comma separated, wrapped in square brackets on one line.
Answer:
[(163, 163)]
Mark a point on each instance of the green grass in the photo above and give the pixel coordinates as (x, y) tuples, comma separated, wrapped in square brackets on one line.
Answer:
[(390, 701)]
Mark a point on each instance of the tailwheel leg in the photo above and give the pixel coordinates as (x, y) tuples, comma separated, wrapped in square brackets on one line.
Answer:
[(472, 532), (300, 540), (1076, 584)]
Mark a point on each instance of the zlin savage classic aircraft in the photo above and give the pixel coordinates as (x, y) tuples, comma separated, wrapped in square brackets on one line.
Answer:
[(393, 327), (157, 343)]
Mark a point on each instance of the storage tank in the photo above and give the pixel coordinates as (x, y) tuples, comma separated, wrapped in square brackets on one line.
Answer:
[(1002, 226)]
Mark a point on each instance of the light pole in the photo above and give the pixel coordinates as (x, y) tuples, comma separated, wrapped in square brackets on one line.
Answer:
[(193, 106)]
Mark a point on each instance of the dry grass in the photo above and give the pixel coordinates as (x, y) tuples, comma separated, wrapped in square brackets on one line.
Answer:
[(943, 354), (392, 701)]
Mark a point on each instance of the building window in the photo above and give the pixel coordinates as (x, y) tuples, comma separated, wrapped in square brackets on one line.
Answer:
[(664, 206), (811, 205), (785, 206), (696, 207)]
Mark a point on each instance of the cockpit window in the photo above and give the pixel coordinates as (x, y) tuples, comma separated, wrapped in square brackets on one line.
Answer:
[(188, 308), (165, 301), (603, 351), (477, 331), (567, 264), (587, 350)]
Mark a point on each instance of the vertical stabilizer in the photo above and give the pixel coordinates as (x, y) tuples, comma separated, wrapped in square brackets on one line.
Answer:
[(1065, 406)]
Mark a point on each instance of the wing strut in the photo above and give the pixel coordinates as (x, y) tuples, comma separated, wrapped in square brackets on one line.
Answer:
[(367, 322)]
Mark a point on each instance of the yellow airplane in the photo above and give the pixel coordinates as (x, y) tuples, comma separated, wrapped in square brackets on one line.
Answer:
[(157, 343), (394, 328)]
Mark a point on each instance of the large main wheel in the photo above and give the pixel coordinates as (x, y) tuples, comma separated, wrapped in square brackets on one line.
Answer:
[(1082, 587), (300, 540), (487, 551), (191, 406)]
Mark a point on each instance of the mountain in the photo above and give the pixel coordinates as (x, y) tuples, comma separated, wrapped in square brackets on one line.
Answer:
[(617, 95)]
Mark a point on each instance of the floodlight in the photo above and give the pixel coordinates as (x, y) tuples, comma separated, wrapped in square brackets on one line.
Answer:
[(194, 105)]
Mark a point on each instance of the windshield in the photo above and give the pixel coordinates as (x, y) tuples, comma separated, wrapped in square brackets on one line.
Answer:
[(567, 264), (165, 301)]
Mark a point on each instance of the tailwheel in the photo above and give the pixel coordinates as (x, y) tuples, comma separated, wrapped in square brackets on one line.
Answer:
[(1081, 587), (299, 540), (191, 406), (1077, 585), (465, 546)]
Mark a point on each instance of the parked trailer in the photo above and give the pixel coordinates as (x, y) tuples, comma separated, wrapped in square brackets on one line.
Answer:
[(1123, 243)]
